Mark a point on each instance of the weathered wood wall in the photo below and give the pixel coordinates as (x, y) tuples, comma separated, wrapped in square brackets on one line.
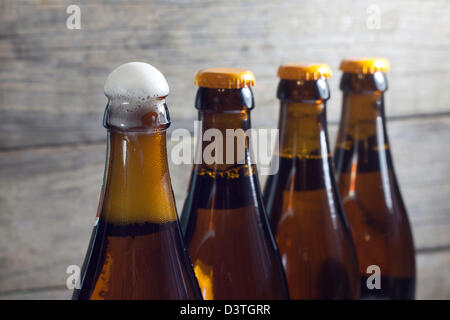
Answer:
[(51, 106)]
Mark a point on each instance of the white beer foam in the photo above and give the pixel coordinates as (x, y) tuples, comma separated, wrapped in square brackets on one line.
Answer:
[(136, 81), (134, 90)]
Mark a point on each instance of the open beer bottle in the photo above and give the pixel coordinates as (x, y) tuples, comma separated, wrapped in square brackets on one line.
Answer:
[(368, 186), (302, 199), (136, 249), (224, 222)]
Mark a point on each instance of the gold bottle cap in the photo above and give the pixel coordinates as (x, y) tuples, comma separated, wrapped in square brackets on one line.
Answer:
[(364, 65), (224, 78), (304, 71)]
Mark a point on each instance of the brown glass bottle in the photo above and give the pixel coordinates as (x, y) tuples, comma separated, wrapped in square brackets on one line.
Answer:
[(224, 222), (302, 200), (367, 183), (136, 249)]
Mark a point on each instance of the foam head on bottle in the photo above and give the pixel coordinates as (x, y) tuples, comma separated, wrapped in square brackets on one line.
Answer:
[(136, 93)]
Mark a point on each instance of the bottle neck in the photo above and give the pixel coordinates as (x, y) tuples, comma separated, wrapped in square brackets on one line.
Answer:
[(224, 143), (362, 114), (305, 162), (137, 116), (231, 182), (362, 133), (137, 187), (302, 128)]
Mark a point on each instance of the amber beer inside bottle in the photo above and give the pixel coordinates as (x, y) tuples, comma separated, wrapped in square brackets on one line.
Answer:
[(302, 199), (136, 249), (368, 185), (224, 223)]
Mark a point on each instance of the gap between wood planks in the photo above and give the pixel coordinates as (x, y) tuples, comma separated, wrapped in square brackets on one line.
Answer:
[(187, 124)]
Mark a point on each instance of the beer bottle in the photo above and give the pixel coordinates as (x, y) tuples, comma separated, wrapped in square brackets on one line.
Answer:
[(224, 222), (368, 186), (136, 249), (301, 199)]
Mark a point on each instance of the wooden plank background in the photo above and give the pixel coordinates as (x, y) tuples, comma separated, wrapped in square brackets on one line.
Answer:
[(51, 105)]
